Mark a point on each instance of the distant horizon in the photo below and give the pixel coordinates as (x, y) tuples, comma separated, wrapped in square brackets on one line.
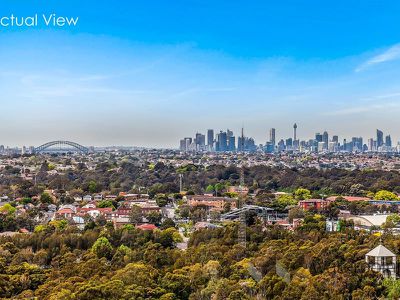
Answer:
[(216, 131)]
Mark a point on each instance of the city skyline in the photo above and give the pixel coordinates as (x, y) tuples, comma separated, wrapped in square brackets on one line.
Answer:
[(145, 76), (322, 141), (271, 134)]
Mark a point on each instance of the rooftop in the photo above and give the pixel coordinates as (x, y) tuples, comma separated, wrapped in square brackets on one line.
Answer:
[(380, 251)]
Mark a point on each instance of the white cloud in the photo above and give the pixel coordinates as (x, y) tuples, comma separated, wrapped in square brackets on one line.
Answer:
[(393, 53)]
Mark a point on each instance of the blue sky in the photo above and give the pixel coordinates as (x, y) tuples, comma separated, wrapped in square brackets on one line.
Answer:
[(148, 73)]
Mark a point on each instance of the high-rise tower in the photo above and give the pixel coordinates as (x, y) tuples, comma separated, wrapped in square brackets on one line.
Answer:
[(272, 136), (379, 138), (210, 139), (325, 139), (295, 132)]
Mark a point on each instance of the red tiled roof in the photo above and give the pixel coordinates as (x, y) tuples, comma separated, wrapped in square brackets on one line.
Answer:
[(65, 211), (147, 227), (103, 210)]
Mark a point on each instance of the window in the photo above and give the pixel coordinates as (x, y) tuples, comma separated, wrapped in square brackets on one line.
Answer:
[(371, 260)]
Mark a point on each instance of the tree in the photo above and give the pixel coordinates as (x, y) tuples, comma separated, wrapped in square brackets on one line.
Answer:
[(227, 207), (26, 200), (219, 188), (393, 288), (295, 213), (162, 200), (136, 215), (385, 195), (106, 203), (8, 209), (391, 221), (302, 194), (102, 248), (210, 188), (215, 216), (179, 284), (284, 201), (46, 198), (92, 186), (184, 212), (168, 223), (154, 218), (357, 190)]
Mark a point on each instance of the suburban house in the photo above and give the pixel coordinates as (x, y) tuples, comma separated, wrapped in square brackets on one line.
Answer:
[(213, 203)]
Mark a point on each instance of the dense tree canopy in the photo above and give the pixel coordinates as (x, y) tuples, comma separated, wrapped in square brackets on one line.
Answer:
[(60, 262)]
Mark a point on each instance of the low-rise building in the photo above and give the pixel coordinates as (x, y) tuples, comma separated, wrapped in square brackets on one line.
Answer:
[(318, 204), (214, 203)]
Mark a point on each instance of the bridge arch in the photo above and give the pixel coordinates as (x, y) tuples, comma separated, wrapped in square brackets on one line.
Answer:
[(61, 145)]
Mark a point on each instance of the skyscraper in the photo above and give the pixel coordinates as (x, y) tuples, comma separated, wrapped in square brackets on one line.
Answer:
[(272, 137), (388, 141), (318, 137), (357, 143), (185, 143), (229, 136), (289, 143), (379, 138), (200, 141), (222, 141), (210, 139), (371, 144), (182, 145), (325, 139), (231, 145)]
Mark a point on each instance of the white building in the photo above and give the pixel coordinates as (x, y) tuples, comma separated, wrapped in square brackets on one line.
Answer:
[(382, 260)]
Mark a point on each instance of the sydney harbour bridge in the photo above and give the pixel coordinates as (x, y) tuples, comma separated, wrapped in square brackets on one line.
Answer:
[(61, 147)]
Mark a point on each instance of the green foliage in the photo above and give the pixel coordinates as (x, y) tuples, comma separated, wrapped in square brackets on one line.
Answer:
[(393, 288), (26, 200), (210, 188), (385, 195), (284, 201), (219, 187), (92, 187), (161, 200), (7, 208), (102, 248), (168, 223), (106, 203), (391, 221), (127, 263), (302, 194), (136, 215), (231, 195), (227, 207), (59, 224), (46, 198), (154, 218), (128, 227), (40, 228)]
